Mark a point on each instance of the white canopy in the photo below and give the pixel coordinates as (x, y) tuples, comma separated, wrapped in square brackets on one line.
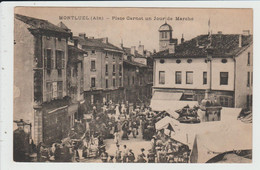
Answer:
[(218, 136), (163, 123), (170, 105)]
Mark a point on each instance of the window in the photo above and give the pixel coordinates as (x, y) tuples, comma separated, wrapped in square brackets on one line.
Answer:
[(248, 79), (224, 101), (48, 91), (93, 51), (60, 60), (204, 77), (120, 68), (224, 60), (223, 78), (189, 77), (114, 68), (93, 65), (48, 58), (120, 82), (114, 82), (59, 73), (248, 59), (128, 81), (189, 61), (59, 39), (106, 83), (251, 78), (162, 61), (106, 54), (178, 77), (93, 82), (178, 61), (133, 79), (113, 56), (106, 69), (60, 89), (161, 77)]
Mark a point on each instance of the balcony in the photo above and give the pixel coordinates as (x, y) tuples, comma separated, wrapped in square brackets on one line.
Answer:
[(93, 70)]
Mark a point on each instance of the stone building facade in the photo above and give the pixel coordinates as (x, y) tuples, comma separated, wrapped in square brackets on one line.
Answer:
[(103, 71), (40, 58)]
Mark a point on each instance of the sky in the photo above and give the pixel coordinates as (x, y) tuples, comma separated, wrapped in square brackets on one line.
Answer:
[(132, 32)]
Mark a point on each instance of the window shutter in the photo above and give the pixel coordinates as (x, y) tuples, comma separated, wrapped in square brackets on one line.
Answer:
[(45, 58), (63, 59), (52, 60), (56, 61)]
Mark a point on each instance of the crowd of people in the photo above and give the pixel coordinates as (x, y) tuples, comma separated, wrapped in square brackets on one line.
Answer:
[(118, 122)]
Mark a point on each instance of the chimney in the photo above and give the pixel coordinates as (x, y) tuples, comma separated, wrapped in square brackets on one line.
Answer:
[(82, 35), (246, 32), (141, 49), (182, 39), (133, 50), (105, 40), (171, 48), (240, 41)]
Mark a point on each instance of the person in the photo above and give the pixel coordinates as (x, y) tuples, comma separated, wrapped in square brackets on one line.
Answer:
[(111, 160), (125, 153), (120, 108), (131, 156), (118, 154), (141, 157), (134, 128), (57, 153), (151, 156), (170, 157), (116, 137), (94, 112), (104, 155), (125, 128)]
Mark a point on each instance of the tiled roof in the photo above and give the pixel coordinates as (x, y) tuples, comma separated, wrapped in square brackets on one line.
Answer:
[(41, 24), (73, 48), (223, 45), (96, 43), (134, 63), (128, 52)]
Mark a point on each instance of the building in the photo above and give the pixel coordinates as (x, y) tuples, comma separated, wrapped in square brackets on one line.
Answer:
[(103, 71), (40, 59), (75, 80), (137, 74), (182, 69)]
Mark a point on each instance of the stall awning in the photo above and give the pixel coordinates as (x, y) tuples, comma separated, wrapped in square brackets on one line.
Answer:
[(159, 95)]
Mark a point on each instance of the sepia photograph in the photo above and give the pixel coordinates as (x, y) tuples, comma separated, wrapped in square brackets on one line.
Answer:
[(132, 85)]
